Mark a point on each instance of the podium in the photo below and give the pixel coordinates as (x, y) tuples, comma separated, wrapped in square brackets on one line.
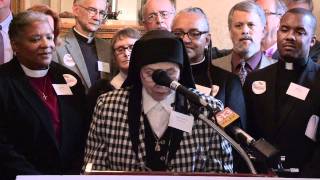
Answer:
[(119, 175)]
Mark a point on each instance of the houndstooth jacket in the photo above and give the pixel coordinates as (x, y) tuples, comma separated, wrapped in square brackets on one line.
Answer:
[(109, 146)]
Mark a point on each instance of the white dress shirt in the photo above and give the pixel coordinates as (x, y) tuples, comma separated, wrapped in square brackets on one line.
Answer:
[(8, 54), (158, 112), (118, 80)]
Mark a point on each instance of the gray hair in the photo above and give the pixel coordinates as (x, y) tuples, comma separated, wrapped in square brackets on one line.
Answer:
[(22, 20), (247, 6), (195, 10), (144, 6), (125, 33)]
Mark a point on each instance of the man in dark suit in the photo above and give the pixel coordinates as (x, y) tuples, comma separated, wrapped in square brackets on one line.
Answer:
[(42, 125), (81, 51), (283, 100), (192, 26)]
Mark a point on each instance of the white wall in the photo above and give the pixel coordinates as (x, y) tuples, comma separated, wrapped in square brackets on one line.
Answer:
[(217, 12), (128, 9)]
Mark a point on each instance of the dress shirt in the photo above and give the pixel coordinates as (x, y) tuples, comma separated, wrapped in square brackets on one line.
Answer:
[(251, 64), (158, 112), (271, 50), (118, 80), (8, 54)]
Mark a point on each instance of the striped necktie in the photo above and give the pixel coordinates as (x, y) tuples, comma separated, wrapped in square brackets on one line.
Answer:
[(1, 47)]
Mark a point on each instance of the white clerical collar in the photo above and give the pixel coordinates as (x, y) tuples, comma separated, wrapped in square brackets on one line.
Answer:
[(192, 64), (6, 22), (34, 73), (118, 80), (288, 66), (90, 38), (148, 102)]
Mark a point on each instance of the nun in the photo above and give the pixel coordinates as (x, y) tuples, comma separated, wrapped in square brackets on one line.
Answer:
[(145, 126)]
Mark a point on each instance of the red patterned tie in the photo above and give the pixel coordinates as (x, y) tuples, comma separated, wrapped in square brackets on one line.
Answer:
[(1, 47)]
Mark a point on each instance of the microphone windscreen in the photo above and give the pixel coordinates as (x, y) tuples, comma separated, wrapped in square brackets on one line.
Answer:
[(161, 77)]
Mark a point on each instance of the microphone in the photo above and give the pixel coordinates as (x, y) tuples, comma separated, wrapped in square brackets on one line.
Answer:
[(161, 77), (224, 118)]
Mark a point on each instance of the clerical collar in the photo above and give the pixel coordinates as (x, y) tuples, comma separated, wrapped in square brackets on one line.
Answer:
[(289, 66), (88, 38), (148, 102), (294, 64), (192, 64), (34, 73)]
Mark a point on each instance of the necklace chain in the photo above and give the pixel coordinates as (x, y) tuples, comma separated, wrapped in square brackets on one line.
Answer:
[(43, 91)]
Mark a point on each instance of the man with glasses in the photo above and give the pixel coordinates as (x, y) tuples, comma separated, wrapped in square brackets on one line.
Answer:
[(81, 51), (273, 9), (158, 14), (192, 26), (247, 22)]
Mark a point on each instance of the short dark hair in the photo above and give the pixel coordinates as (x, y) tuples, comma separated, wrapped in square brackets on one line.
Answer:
[(305, 12)]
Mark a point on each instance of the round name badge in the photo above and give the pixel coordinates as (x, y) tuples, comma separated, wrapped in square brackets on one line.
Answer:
[(68, 60), (71, 80), (259, 87)]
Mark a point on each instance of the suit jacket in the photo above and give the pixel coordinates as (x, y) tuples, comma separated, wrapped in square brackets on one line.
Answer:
[(26, 131), (71, 47), (225, 62), (229, 91), (110, 146), (287, 130)]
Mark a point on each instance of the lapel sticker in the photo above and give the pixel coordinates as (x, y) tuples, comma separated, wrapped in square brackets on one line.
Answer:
[(68, 60), (181, 121), (203, 89), (298, 91), (214, 90), (312, 127), (259, 87), (62, 89), (103, 67), (71, 80)]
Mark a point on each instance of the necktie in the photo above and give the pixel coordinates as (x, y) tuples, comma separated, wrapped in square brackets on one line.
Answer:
[(1, 47), (243, 72)]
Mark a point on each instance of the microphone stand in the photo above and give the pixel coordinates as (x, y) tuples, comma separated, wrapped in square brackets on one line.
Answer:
[(237, 146)]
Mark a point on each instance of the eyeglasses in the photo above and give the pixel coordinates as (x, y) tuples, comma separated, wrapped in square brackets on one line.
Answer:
[(153, 16), (93, 11), (122, 49), (267, 12), (192, 35)]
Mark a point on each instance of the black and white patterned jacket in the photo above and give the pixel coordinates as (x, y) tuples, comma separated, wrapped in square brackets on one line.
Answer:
[(109, 146)]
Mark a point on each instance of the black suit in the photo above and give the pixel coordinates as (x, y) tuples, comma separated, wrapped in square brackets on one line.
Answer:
[(230, 91), (284, 126), (26, 131)]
